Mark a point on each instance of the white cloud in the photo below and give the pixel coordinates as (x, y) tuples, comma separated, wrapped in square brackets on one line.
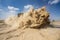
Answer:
[(54, 2), (12, 8), (12, 11), (9, 11), (27, 7)]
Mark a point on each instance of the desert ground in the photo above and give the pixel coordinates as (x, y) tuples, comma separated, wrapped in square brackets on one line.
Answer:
[(56, 24), (40, 34)]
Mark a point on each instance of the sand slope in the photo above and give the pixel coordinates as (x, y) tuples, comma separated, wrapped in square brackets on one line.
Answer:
[(32, 34)]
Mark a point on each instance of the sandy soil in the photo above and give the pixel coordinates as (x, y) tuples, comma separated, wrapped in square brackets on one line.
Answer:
[(29, 33), (56, 23)]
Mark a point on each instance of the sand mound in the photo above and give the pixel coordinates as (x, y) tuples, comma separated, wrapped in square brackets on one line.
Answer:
[(32, 34), (42, 34)]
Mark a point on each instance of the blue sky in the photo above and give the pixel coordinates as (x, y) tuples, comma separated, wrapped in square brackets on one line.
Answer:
[(13, 7)]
